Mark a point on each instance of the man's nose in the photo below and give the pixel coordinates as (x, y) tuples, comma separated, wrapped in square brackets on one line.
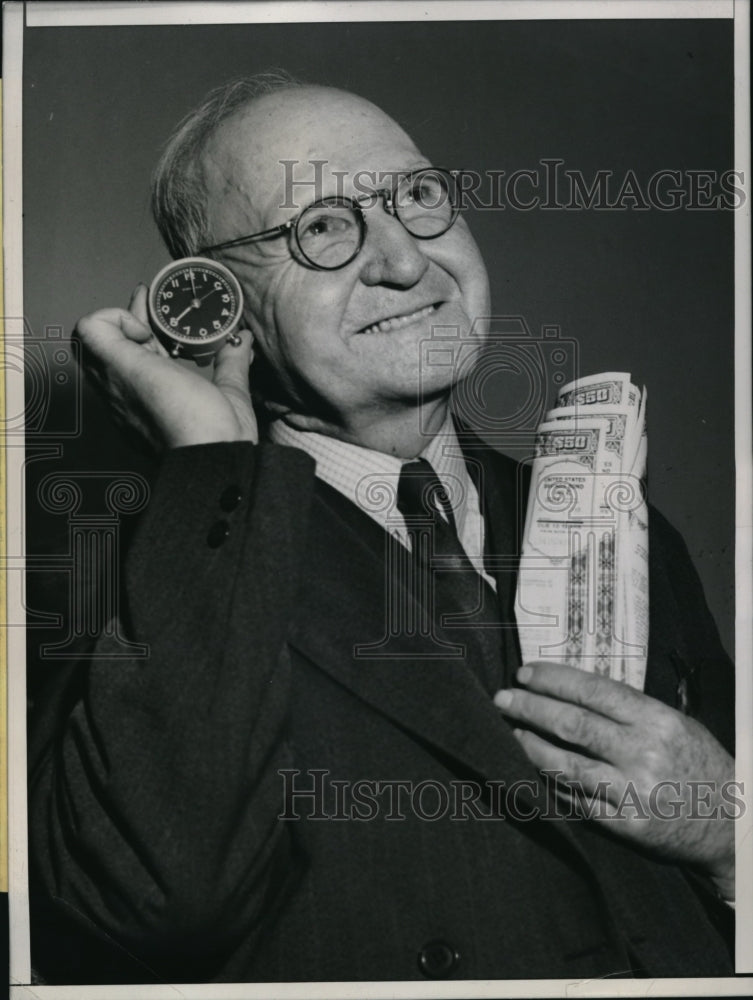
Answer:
[(390, 255)]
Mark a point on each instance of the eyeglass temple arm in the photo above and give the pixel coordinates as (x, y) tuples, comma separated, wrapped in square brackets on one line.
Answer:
[(266, 234)]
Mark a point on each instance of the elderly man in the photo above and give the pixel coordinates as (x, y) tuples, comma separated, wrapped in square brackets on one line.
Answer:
[(241, 805)]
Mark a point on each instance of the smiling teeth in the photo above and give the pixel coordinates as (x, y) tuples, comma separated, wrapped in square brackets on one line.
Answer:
[(383, 326)]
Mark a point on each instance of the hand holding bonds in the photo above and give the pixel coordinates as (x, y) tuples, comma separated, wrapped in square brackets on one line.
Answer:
[(166, 402), (667, 770)]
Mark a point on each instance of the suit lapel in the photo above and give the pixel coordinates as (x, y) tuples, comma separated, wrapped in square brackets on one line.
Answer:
[(355, 625)]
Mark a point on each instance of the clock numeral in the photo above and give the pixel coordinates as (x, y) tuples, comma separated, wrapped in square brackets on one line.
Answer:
[(225, 312), (173, 322), (187, 329), (164, 309), (216, 324), (174, 282), (218, 285), (203, 331), (166, 294), (225, 298)]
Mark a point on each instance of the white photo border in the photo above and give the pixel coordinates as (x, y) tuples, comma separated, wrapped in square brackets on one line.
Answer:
[(98, 13)]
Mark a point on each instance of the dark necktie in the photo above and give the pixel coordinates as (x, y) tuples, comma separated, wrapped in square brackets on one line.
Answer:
[(462, 602)]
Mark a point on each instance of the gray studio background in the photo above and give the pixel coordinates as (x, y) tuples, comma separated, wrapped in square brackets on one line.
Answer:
[(649, 292)]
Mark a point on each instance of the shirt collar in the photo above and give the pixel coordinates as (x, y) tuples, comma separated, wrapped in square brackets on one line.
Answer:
[(369, 478)]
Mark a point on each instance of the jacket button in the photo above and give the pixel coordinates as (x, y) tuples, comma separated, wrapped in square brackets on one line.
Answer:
[(438, 960), (217, 534), (230, 498)]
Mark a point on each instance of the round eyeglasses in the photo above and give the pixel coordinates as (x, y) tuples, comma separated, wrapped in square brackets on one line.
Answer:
[(329, 234)]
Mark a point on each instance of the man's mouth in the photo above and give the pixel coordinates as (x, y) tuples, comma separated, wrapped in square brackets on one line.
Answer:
[(404, 319)]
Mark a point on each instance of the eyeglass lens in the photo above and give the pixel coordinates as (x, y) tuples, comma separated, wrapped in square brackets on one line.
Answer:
[(330, 233), (425, 203)]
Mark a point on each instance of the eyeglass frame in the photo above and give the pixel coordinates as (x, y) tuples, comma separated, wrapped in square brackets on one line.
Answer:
[(385, 194)]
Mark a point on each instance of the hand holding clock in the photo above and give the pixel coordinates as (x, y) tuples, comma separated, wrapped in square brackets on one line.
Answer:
[(170, 405)]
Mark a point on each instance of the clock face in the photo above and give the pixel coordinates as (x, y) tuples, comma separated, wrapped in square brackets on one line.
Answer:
[(195, 301)]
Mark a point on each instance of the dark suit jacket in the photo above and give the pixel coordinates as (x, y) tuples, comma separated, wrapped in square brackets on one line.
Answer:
[(155, 790)]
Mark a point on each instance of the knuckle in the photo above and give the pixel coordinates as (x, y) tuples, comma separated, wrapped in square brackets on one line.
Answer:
[(572, 765), (591, 770), (590, 687), (587, 773), (654, 765), (89, 329), (83, 328), (668, 727), (572, 726), (520, 704)]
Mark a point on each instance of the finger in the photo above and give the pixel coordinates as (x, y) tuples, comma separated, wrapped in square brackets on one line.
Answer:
[(138, 304), (600, 694), (108, 327), (231, 365), (563, 720), (134, 329), (593, 777)]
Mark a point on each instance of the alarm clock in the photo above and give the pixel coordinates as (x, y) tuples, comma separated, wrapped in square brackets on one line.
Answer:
[(195, 306)]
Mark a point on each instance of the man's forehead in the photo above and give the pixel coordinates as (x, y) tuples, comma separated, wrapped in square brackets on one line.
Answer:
[(299, 127)]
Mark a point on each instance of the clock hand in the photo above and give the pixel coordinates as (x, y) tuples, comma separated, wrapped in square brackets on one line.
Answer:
[(195, 302), (192, 306), (211, 292), (193, 283)]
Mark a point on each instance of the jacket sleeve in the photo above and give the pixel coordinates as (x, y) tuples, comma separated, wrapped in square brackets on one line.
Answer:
[(154, 790), (688, 667)]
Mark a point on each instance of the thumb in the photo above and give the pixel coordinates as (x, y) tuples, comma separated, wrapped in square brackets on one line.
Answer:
[(138, 304), (232, 362)]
